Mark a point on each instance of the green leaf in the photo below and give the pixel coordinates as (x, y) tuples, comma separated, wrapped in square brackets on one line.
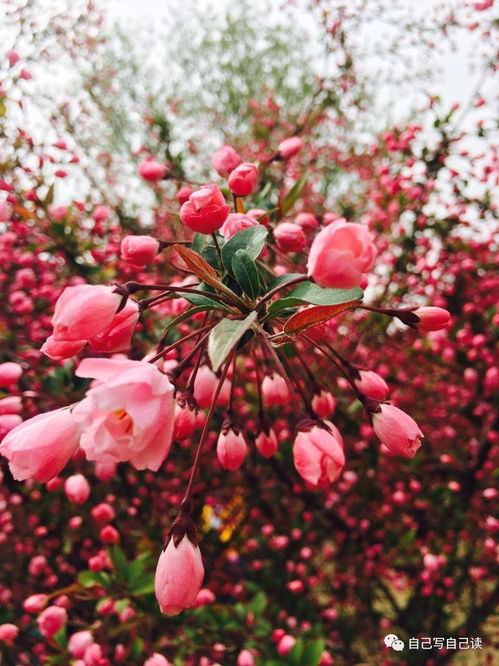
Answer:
[(252, 240), (308, 292), (119, 561), (198, 242), (282, 279), (91, 578), (294, 657), (224, 336), (259, 603), (246, 274), (292, 196), (145, 586), (204, 303), (312, 653)]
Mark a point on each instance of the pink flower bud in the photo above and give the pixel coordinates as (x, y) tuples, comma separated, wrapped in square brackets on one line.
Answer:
[(324, 404), (340, 255), (184, 193), (245, 658), (79, 642), (225, 160), (10, 373), (185, 423), (7, 423), (267, 443), (260, 215), (205, 385), (285, 645), (77, 489), (41, 446), (289, 147), (13, 57), (432, 319), (57, 213), (109, 534), (289, 237), (372, 385), (151, 171), (307, 222), (205, 211), (139, 250), (51, 620), (318, 454), (35, 603), (274, 390), (102, 513), (397, 430), (8, 632), (118, 335), (243, 179), (205, 596), (179, 576), (236, 222), (231, 449)]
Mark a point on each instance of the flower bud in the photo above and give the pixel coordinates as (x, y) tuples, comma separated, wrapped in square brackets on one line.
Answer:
[(51, 620), (236, 222), (243, 179), (275, 390), (179, 576), (151, 170), (9, 373), (289, 237), (79, 642), (225, 160), (289, 147), (231, 449), (318, 454), (77, 489), (397, 430), (139, 250), (266, 443), (372, 385), (432, 318)]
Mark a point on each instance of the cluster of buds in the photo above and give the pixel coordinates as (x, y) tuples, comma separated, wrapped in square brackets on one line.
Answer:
[(245, 306)]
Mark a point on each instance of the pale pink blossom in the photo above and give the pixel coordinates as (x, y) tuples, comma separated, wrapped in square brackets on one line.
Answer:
[(9, 373), (275, 390), (231, 449), (129, 416), (78, 643), (77, 488), (289, 147)]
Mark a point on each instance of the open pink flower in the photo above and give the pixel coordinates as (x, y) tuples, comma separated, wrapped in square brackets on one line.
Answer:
[(179, 576), (129, 417), (397, 431), (41, 446), (318, 454), (340, 255)]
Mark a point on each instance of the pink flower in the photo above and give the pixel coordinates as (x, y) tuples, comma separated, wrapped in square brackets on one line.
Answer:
[(184, 193), (57, 213), (245, 658), (77, 488), (179, 576), (205, 385), (231, 449), (185, 423), (225, 160), (87, 312), (151, 170), (285, 645), (35, 603), (236, 222), (8, 632), (79, 642), (397, 430), (267, 443), (41, 446), (307, 222), (289, 237), (324, 404), (11, 405), (275, 390), (129, 417), (318, 454), (205, 211), (372, 385), (289, 147), (51, 620), (8, 422), (9, 373), (205, 596), (432, 318), (260, 215), (101, 213), (118, 335), (13, 57), (243, 179), (340, 254), (139, 250)]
